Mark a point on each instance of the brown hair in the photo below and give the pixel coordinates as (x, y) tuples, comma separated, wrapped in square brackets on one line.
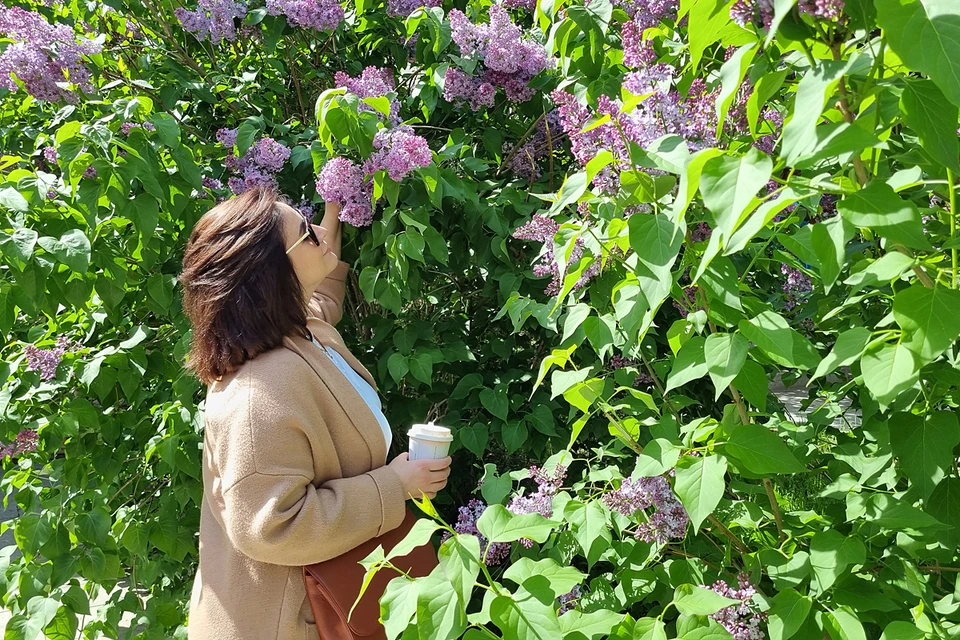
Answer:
[(240, 291)]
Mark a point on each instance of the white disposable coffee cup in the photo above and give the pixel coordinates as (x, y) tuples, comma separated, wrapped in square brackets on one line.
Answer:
[(429, 441)]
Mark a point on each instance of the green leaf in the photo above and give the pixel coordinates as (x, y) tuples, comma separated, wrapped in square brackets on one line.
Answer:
[(731, 78), (707, 19), (761, 451), (698, 601), (145, 211), (459, 557), (816, 86), (878, 207), (561, 579), (499, 525), (831, 552), (187, 166), (730, 183), (890, 267), (725, 354), (72, 249), (168, 129), (421, 367), (494, 488), (771, 333), (829, 240), (700, 485), (514, 435), (752, 383), (525, 616), (20, 244), (13, 200), (63, 626), (944, 505), (842, 624), (889, 370), (589, 528), (928, 319), (924, 446), (418, 536), (595, 625), (902, 630), (847, 350), (570, 191), (927, 111), (495, 401), (690, 364), (788, 613), (475, 438), (246, 134), (398, 604), (397, 366), (649, 629), (440, 614), (926, 36)]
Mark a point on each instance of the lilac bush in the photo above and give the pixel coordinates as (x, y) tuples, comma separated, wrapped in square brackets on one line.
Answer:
[(46, 361), (668, 521)]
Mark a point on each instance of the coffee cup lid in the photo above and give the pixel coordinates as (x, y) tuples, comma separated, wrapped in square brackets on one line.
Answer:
[(430, 431)]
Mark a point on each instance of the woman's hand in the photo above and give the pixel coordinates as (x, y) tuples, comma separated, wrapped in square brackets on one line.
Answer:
[(426, 476)]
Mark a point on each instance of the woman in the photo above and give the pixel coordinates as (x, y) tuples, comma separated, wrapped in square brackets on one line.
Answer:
[(295, 442)]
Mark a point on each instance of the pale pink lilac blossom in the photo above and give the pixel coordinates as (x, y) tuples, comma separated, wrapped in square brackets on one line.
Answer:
[(668, 521), (744, 621), (25, 442), (322, 15), (41, 55), (212, 20)]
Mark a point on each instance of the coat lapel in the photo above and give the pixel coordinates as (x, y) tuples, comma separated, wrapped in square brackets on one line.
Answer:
[(349, 399)]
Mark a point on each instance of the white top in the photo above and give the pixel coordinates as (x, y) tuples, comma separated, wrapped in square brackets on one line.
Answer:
[(368, 393)]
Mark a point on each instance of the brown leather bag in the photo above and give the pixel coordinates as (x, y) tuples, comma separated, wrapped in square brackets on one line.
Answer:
[(333, 585)]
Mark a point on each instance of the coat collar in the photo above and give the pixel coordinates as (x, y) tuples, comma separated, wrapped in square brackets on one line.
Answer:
[(349, 399)]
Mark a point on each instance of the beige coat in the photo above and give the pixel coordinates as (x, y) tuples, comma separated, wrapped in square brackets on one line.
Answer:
[(293, 473)]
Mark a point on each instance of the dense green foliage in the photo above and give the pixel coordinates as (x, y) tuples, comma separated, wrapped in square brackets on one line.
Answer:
[(721, 254)]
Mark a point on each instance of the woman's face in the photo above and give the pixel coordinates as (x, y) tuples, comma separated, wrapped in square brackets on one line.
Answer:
[(311, 263)]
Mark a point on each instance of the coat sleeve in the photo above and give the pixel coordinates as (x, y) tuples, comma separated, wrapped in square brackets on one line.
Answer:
[(273, 512), (327, 300)]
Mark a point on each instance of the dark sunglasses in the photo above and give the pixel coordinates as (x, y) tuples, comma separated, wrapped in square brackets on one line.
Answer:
[(309, 233)]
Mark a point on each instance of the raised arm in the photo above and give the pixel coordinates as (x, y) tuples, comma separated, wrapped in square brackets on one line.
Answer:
[(326, 302)]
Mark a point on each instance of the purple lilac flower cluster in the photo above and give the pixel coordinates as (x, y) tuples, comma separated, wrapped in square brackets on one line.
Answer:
[(541, 500), (373, 82), (403, 8), (508, 59), (648, 13), (342, 181), (467, 525), (258, 166), (43, 54), (322, 15), (743, 620), (398, 151), (665, 112), (524, 5), (307, 209), (542, 229), (752, 12), (46, 360), (127, 127), (90, 172), (211, 183), (823, 9), (701, 232), (25, 442), (568, 601), (768, 142), (797, 283), (669, 520), (50, 155), (212, 19), (524, 162)]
